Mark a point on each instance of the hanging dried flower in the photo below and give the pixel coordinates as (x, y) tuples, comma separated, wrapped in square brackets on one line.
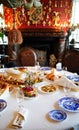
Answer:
[(15, 37), (1, 16)]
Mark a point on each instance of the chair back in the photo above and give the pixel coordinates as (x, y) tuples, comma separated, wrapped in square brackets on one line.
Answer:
[(26, 57), (71, 61)]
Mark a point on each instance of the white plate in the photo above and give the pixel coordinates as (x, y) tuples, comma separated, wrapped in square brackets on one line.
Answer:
[(57, 115), (45, 85)]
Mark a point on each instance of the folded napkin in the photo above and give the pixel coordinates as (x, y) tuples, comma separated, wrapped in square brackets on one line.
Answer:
[(15, 73), (20, 118), (12, 71), (65, 81)]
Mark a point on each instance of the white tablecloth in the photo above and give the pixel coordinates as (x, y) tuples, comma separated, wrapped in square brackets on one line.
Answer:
[(38, 109)]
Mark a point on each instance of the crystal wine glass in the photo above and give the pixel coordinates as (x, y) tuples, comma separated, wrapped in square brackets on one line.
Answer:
[(67, 89), (20, 97)]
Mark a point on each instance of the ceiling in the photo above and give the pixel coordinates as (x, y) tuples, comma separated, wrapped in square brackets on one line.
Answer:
[(13, 3), (6, 3), (19, 3)]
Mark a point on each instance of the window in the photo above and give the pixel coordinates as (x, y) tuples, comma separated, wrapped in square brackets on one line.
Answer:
[(2, 24), (75, 21)]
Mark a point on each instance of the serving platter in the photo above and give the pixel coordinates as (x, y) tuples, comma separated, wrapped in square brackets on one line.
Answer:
[(70, 104), (57, 115)]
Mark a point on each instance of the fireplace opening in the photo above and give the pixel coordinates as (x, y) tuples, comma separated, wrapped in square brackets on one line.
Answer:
[(45, 46)]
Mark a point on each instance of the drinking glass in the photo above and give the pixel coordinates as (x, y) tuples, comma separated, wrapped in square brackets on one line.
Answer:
[(37, 66), (65, 68), (20, 98), (67, 89)]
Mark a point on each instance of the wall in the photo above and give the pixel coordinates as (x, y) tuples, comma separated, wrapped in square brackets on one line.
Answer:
[(42, 27), (52, 14)]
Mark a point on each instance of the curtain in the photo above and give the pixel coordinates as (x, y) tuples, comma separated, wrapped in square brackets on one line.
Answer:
[(75, 12), (3, 38), (75, 22)]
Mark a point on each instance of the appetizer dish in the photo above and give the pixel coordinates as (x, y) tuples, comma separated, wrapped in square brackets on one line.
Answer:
[(52, 75), (29, 91), (47, 88)]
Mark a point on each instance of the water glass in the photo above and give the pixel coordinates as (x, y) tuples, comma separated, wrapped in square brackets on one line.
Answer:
[(67, 89), (20, 98), (65, 68)]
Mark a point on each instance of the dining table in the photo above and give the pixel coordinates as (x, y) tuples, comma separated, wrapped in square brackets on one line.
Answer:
[(38, 108)]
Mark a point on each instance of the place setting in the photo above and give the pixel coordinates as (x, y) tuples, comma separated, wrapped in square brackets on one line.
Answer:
[(21, 111), (70, 101), (65, 104)]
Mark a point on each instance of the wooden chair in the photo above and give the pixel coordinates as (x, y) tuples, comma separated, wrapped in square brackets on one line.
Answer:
[(26, 57), (71, 61)]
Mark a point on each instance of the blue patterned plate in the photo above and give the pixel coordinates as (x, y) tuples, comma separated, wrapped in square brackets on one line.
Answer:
[(73, 77), (57, 115), (3, 104), (45, 68), (70, 104)]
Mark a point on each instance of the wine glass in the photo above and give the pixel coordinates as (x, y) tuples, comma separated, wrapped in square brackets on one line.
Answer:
[(37, 66), (20, 98), (65, 68), (67, 89)]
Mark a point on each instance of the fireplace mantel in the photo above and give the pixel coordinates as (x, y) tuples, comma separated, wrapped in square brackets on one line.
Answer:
[(42, 32)]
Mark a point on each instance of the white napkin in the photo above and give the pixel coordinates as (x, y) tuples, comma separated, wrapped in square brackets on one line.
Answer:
[(15, 73), (20, 118), (65, 81)]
